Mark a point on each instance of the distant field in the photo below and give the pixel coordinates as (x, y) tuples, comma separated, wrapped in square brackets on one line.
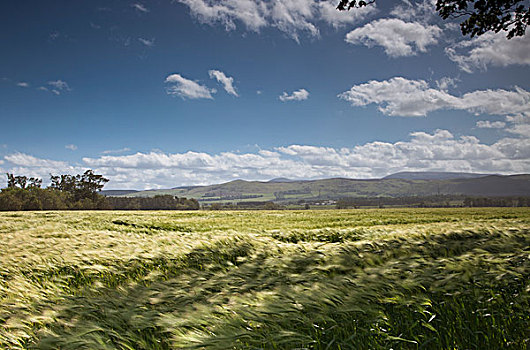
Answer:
[(326, 279)]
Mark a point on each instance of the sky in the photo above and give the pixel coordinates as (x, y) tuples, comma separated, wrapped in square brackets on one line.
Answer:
[(166, 93)]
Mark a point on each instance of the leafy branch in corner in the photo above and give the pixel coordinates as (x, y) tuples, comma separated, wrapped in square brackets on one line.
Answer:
[(480, 16)]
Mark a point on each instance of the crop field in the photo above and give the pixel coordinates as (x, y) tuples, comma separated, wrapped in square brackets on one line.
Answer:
[(326, 279)]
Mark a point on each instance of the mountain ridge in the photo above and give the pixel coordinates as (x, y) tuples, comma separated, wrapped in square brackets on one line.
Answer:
[(336, 188)]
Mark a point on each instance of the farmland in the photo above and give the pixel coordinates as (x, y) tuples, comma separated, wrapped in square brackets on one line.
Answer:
[(327, 279)]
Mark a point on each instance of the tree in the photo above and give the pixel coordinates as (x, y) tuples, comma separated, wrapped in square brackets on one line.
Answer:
[(480, 16), (22, 181), (81, 187)]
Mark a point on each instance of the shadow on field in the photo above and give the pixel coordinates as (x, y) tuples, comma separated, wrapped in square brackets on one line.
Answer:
[(466, 290)]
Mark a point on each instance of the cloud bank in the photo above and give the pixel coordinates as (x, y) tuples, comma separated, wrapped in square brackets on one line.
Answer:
[(423, 151)]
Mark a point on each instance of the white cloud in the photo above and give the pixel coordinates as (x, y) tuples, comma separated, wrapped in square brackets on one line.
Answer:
[(140, 7), (519, 125), (113, 151), (490, 49), (397, 37), (422, 151), (28, 161), (186, 88), (59, 86), (147, 42), (328, 12), (250, 13), (23, 84), (71, 147), (486, 124), (496, 102), (298, 95), (292, 17), (228, 82), (414, 98), (445, 83), (410, 11)]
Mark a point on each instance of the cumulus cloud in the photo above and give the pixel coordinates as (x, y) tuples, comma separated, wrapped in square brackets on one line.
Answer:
[(23, 84), (140, 7), (298, 95), (292, 17), (147, 42), (186, 88), (71, 147), (414, 98), (228, 82), (397, 37), (490, 49), (486, 124)]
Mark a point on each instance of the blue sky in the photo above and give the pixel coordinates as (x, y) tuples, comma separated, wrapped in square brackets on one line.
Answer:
[(167, 93)]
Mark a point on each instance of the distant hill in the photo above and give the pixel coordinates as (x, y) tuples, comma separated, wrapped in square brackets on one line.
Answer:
[(184, 187), (241, 191), (281, 179), (117, 192), (433, 175)]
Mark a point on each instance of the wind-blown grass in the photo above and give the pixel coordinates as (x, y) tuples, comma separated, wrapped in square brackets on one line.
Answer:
[(359, 279)]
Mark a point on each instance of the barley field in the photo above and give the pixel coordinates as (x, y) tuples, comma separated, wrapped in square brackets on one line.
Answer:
[(326, 279)]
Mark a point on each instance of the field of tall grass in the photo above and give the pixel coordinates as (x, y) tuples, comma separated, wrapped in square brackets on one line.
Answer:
[(352, 279)]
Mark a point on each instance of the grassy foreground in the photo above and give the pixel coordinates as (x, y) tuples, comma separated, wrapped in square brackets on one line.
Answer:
[(356, 279)]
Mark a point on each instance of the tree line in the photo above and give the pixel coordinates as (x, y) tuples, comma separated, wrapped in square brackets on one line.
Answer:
[(161, 202), (79, 192)]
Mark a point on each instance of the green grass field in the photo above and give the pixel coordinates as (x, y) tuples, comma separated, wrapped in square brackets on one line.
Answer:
[(352, 279)]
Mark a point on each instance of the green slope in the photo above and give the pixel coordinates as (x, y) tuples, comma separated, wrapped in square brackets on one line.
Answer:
[(240, 190)]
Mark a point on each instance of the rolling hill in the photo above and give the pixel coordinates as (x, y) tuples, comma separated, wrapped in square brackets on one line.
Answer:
[(433, 175), (335, 188)]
